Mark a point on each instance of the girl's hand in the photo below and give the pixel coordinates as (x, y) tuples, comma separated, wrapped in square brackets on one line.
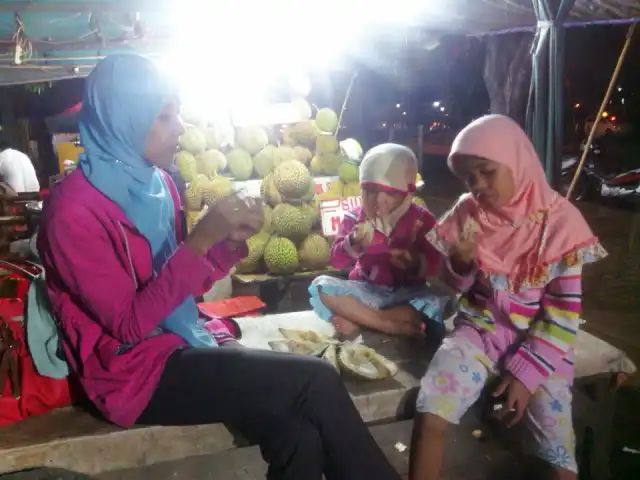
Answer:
[(463, 255), (229, 217), (517, 398)]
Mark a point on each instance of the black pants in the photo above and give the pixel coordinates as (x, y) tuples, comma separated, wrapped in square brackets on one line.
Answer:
[(295, 408)]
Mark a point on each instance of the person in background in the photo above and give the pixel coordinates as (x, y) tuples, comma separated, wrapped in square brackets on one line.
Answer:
[(16, 169), (515, 249), (383, 244), (122, 277)]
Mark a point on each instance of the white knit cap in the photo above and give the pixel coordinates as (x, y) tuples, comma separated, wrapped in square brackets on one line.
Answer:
[(390, 166)]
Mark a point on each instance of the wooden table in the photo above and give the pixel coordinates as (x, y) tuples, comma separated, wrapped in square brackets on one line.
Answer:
[(272, 289)]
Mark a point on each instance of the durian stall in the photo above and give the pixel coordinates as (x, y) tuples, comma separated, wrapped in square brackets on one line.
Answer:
[(293, 167)]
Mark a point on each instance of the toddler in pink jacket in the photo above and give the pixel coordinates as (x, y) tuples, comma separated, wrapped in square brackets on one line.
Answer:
[(384, 245)]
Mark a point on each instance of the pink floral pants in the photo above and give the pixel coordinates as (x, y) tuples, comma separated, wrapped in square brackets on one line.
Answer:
[(455, 379)]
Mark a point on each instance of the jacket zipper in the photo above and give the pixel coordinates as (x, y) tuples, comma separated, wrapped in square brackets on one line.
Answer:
[(126, 247), (122, 348)]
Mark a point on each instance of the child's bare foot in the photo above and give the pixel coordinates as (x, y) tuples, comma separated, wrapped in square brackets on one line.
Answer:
[(344, 327)]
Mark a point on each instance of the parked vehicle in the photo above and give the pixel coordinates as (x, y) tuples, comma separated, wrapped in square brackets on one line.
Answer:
[(605, 126), (594, 184)]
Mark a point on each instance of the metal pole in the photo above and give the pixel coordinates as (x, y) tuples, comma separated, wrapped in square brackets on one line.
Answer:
[(420, 149)]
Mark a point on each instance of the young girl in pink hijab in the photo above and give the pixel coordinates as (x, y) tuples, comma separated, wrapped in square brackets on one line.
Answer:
[(515, 250)]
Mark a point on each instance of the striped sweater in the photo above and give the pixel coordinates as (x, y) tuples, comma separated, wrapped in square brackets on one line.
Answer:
[(544, 320)]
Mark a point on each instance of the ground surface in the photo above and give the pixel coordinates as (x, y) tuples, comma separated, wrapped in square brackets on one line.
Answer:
[(485, 456)]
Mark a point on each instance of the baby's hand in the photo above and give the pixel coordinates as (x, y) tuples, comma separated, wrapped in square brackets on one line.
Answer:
[(403, 259), (362, 235)]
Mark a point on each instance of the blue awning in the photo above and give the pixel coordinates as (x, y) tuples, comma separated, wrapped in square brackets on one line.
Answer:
[(65, 38), (43, 40)]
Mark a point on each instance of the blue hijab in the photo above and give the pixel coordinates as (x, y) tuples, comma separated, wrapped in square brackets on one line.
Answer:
[(123, 96)]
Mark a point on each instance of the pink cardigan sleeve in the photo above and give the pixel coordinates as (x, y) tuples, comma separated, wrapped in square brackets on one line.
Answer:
[(343, 254), (83, 258), (552, 333), (430, 257)]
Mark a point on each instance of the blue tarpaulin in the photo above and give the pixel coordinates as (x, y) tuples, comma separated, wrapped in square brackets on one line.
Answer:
[(65, 38), (43, 40)]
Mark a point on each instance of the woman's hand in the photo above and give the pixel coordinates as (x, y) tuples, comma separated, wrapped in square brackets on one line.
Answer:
[(231, 217), (253, 222), (517, 398)]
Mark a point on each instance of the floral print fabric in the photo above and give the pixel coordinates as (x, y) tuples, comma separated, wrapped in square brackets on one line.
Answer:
[(455, 379)]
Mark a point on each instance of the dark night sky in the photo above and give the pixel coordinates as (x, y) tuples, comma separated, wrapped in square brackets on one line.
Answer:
[(591, 57)]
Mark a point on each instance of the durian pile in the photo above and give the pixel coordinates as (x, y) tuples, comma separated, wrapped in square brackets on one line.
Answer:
[(256, 151), (286, 161), (290, 240)]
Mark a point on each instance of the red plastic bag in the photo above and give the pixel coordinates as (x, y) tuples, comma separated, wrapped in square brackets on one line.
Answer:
[(24, 393), (233, 307)]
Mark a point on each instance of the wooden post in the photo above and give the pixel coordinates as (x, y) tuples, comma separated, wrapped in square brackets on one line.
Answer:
[(420, 149)]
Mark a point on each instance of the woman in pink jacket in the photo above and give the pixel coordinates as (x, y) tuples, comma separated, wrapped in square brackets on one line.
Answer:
[(122, 277)]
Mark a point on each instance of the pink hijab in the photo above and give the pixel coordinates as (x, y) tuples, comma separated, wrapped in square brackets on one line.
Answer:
[(536, 229)]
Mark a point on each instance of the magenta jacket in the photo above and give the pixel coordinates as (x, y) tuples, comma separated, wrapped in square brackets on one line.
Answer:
[(374, 265), (105, 297)]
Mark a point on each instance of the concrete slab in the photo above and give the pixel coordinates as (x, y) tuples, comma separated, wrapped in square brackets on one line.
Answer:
[(465, 458)]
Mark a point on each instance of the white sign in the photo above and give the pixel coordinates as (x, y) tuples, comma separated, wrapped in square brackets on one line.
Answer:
[(332, 212), (252, 187)]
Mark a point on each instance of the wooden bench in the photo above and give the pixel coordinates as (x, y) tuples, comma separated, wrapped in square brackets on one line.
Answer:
[(74, 440)]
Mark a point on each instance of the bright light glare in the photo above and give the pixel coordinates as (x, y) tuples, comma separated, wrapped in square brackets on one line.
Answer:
[(436, 104), (229, 54), (397, 105), (442, 109)]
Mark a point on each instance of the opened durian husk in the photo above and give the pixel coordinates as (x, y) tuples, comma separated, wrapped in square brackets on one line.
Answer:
[(365, 362), (330, 355), (298, 346), (305, 335)]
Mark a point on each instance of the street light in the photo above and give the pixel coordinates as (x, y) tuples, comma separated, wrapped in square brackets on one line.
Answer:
[(436, 104)]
